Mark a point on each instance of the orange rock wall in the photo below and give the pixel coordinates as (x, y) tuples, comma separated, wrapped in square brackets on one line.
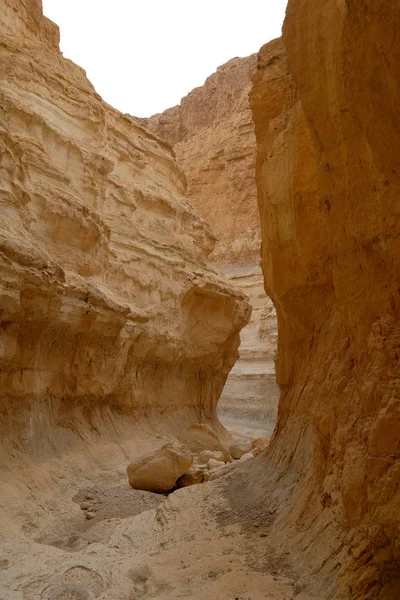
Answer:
[(328, 189)]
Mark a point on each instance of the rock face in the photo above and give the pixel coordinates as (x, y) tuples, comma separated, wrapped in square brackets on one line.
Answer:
[(328, 188), (159, 470), (213, 137), (109, 313), (212, 134)]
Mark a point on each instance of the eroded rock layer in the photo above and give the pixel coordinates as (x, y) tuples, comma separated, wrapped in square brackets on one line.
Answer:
[(109, 313), (328, 189), (249, 401)]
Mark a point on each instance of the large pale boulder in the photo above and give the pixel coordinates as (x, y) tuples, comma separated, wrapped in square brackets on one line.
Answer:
[(200, 437), (158, 471)]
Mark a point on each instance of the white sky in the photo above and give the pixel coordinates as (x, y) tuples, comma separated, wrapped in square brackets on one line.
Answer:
[(143, 56)]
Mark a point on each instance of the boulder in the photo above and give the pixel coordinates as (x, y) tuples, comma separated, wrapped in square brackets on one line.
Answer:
[(200, 437), (205, 456), (193, 476), (238, 448), (158, 471)]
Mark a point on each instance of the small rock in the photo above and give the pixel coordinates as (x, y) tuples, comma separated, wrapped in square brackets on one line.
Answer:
[(205, 456), (90, 515), (239, 448), (214, 464), (85, 505)]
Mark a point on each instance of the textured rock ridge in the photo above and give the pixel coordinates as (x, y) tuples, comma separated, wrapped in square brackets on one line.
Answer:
[(328, 188), (109, 313)]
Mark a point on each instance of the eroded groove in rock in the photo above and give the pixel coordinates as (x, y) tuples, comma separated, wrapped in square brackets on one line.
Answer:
[(328, 188), (110, 315)]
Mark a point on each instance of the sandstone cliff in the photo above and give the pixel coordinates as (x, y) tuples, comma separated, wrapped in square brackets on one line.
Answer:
[(213, 138), (110, 316), (328, 188), (212, 134)]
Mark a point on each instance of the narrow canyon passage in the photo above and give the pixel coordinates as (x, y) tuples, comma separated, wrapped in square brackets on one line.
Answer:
[(212, 134), (130, 260)]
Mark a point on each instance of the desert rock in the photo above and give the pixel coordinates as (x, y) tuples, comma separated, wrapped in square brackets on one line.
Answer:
[(193, 476), (212, 134), (238, 448), (110, 314), (200, 437), (215, 464), (247, 456), (159, 470), (205, 456)]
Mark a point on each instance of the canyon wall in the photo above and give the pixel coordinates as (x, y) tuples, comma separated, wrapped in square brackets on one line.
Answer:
[(110, 316), (325, 112), (212, 134)]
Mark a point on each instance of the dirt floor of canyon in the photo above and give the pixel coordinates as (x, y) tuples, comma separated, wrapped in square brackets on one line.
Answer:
[(200, 542)]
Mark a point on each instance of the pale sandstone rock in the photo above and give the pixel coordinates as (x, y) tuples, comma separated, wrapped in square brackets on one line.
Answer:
[(158, 471), (205, 456), (109, 312), (213, 137), (247, 456), (215, 464), (200, 437), (328, 187), (239, 447), (193, 476)]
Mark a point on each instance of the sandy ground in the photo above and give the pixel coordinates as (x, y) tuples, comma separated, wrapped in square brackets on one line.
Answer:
[(204, 543), (195, 544)]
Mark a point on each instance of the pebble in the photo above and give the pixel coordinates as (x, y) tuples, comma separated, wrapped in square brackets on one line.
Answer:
[(90, 515)]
